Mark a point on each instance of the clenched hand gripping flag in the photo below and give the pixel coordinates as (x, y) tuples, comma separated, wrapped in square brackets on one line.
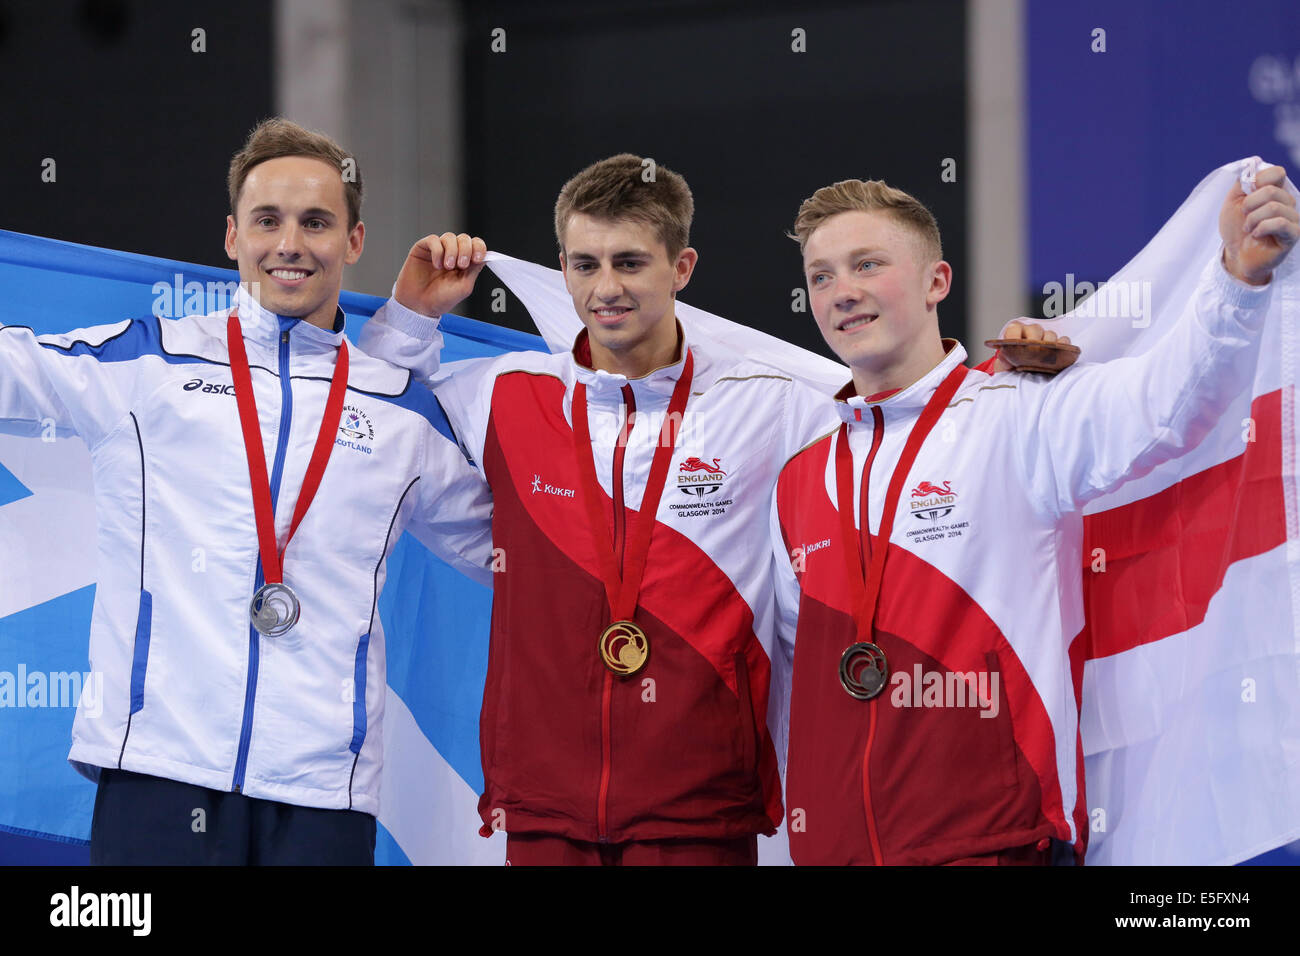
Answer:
[(1189, 669)]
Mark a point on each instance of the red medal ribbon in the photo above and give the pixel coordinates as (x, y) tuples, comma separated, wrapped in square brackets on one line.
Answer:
[(866, 594), (620, 589), (263, 507)]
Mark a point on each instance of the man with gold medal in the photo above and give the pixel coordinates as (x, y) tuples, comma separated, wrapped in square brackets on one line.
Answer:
[(625, 714)]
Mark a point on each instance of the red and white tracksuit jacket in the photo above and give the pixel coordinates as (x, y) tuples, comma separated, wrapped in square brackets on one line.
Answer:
[(973, 745), (682, 748)]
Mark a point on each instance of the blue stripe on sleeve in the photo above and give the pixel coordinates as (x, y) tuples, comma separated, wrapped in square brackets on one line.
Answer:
[(141, 337)]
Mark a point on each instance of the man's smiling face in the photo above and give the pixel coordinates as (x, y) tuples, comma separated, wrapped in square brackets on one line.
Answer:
[(871, 289), (623, 284), (291, 239)]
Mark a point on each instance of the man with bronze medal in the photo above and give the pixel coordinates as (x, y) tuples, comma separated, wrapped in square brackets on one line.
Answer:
[(244, 692), (932, 715)]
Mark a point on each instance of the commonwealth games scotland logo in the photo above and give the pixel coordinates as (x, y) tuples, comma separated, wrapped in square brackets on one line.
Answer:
[(356, 425)]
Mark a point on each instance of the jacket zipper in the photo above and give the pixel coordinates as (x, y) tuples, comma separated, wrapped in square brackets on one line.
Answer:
[(277, 472), (607, 695), (864, 521)]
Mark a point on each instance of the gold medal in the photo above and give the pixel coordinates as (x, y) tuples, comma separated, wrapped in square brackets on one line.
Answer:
[(624, 648)]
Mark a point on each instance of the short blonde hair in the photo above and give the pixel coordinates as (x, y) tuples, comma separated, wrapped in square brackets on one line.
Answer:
[(873, 195), (616, 188)]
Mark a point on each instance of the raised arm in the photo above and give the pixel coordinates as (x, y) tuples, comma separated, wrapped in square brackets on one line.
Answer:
[(1095, 427), (439, 272)]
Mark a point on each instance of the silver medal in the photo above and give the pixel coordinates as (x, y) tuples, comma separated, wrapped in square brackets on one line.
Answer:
[(274, 610)]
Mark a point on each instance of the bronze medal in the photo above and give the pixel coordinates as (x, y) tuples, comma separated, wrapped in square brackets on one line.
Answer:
[(624, 648), (864, 671)]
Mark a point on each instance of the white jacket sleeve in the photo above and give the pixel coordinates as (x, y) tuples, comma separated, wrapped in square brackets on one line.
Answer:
[(463, 389), (452, 514), (452, 511), (786, 600), (786, 585), (810, 415), (79, 382), (1094, 427), (398, 335)]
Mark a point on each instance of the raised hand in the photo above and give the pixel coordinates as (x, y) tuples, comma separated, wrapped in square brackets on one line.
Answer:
[(1258, 228), (439, 272)]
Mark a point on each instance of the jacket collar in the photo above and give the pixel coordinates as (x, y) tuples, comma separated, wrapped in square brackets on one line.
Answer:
[(264, 327), (602, 385), (853, 408)]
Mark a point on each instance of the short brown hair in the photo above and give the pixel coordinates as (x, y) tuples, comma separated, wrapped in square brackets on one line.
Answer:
[(873, 195), (276, 137), (629, 187)]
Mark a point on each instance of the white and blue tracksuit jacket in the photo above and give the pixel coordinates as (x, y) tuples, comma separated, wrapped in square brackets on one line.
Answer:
[(190, 691)]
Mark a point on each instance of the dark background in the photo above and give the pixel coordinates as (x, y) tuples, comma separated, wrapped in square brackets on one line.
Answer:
[(142, 129), (713, 91)]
